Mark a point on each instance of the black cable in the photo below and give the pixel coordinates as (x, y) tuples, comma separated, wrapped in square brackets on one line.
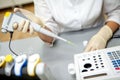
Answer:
[(116, 36), (11, 34)]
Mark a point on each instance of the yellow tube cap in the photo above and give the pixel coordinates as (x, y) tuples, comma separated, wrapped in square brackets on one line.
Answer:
[(7, 14), (9, 58)]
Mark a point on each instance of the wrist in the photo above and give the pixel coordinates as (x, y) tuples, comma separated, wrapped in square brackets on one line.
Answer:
[(47, 39), (105, 32), (113, 25)]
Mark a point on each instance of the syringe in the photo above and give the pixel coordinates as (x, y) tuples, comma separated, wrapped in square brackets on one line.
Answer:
[(11, 18)]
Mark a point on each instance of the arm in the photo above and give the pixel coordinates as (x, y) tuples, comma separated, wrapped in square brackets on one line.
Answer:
[(42, 17), (112, 10), (24, 27), (43, 12), (99, 40)]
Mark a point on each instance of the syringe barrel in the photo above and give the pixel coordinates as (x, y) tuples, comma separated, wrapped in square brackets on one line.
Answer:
[(18, 17), (38, 28)]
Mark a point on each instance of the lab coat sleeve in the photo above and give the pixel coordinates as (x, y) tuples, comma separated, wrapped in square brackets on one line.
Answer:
[(42, 11), (112, 10)]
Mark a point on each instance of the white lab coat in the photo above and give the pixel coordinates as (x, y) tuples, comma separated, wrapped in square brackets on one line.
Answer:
[(68, 15)]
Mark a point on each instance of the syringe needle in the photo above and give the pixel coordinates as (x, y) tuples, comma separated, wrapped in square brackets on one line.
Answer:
[(71, 43)]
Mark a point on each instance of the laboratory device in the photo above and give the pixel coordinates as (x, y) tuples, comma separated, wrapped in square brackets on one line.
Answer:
[(9, 64), (33, 60), (101, 64), (20, 63), (11, 18), (71, 70), (43, 72)]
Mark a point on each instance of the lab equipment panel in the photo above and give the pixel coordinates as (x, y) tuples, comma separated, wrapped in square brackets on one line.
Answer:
[(102, 64)]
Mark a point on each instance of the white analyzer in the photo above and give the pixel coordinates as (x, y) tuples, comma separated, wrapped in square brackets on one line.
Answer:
[(102, 64)]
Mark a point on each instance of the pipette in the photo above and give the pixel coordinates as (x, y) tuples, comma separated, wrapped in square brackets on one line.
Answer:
[(11, 18)]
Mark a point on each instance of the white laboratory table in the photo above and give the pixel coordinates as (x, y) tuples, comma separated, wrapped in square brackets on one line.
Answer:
[(60, 55)]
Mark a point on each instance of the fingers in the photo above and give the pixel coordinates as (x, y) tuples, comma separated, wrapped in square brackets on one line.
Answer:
[(90, 48), (31, 30), (87, 49), (26, 27), (23, 26), (15, 25), (16, 9), (26, 13), (19, 9)]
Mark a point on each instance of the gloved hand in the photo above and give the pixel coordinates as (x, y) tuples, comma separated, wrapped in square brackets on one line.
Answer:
[(99, 40), (24, 25)]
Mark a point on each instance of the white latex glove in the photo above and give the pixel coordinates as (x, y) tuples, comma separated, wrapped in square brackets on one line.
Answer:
[(24, 25), (99, 40)]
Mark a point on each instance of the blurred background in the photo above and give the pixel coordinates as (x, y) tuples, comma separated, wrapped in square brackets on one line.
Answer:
[(9, 5)]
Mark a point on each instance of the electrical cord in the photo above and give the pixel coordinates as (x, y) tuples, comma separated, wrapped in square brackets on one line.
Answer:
[(116, 36), (11, 34)]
